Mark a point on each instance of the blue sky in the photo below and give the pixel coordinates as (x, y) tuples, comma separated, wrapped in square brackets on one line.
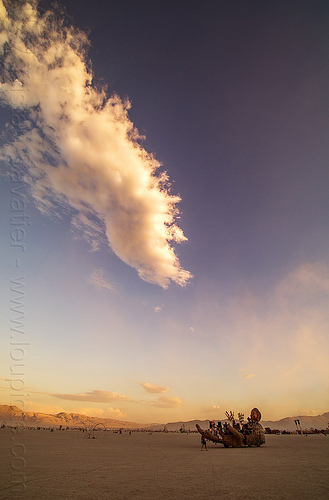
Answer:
[(121, 319)]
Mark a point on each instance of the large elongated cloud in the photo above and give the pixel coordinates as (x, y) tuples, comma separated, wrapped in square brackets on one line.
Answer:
[(81, 148), (94, 396)]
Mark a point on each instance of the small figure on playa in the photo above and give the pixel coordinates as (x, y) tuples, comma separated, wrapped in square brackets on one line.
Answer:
[(203, 443)]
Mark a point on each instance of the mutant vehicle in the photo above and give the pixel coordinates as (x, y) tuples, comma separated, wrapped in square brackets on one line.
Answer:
[(236, 433)]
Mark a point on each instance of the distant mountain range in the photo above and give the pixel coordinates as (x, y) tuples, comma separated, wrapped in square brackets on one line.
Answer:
[(306, 422), (12, 415)]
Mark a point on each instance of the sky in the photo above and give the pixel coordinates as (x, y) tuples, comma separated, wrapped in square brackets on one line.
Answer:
[(164, 208)]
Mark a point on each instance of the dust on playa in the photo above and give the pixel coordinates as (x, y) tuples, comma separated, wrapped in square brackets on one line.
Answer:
[(71, 464)]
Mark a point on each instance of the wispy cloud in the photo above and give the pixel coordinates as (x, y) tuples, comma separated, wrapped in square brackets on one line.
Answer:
[(311, 275), (249, 375), (309, 281), (97, 279), (93, 397), (167, 402), (155, 389), (80, 147)]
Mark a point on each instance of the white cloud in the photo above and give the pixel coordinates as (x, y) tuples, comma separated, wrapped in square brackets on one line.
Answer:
[(157, 309), (81, 149), (97, 279), (155, 389)]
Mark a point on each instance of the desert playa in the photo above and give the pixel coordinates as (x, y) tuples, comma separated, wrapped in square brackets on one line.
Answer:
[(69, 464)]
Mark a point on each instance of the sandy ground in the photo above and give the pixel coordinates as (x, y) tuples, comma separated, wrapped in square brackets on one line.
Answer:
[(66, 465)]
